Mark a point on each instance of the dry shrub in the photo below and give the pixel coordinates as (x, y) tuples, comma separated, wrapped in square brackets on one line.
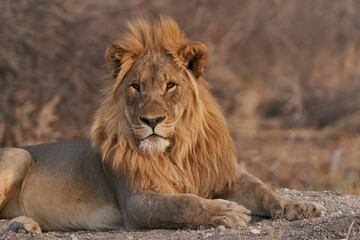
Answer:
[(33, 127)]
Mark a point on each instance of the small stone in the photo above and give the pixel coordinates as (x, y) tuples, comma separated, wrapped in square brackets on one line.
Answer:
[(73, 237), (255, 231), (210, 230), (221, 228), (202, 228), (206, 236)]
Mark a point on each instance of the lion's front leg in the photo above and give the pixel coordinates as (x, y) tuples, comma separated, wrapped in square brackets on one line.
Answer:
[(146, 210), (255, 195)]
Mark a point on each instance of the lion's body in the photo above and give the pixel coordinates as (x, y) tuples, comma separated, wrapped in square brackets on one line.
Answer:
[(45, 194), (160, 152)]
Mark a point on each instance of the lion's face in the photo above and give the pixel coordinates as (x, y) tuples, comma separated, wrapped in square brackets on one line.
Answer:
[(155, 71), (155, 99)]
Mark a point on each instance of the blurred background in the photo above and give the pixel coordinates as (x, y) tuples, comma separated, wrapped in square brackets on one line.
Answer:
[(287, 74)]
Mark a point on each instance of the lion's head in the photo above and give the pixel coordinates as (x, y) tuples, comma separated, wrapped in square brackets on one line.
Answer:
[(158, 125), (155, 98)]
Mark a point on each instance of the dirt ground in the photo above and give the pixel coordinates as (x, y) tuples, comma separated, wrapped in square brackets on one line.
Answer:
[(342, 221)]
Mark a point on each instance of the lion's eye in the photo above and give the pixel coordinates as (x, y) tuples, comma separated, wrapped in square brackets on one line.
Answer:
[(135, 86), (170, 85)]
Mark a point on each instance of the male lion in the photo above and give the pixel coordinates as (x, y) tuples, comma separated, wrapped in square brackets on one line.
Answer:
[(159, 154)]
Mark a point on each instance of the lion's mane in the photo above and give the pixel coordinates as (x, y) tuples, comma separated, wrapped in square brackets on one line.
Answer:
[(201, 160)]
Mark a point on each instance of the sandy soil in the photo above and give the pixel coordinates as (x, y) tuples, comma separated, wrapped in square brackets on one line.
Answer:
[(342, 221)]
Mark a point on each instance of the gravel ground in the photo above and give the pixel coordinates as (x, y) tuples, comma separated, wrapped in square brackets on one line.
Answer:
[(342, 221)]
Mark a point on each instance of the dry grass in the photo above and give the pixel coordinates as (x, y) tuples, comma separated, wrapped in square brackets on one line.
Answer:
[(285, 72), (304, 159)]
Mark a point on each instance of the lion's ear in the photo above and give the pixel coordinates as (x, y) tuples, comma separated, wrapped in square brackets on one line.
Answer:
[(113, 56), (195, 55)]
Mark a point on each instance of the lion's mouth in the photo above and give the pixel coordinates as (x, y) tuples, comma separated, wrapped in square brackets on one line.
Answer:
[(154, 135)]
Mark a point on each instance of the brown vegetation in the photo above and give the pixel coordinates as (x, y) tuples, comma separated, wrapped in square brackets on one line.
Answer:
[(285, 72)]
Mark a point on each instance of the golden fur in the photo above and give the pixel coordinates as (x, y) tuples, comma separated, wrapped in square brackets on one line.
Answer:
[(202, 160)]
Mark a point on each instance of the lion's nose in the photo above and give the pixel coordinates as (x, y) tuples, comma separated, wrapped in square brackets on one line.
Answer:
[(152, 122)]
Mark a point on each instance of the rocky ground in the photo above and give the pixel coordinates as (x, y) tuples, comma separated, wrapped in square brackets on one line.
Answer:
[(342, 221)]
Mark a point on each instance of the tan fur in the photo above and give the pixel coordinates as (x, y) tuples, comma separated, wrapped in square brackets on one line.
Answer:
[(202, 160)]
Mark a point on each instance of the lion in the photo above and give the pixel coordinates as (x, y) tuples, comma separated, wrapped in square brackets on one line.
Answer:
[(159, 154)]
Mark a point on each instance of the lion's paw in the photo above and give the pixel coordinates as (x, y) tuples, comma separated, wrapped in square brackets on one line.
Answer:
[(21, 225), (298, 210), (229, 214)]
